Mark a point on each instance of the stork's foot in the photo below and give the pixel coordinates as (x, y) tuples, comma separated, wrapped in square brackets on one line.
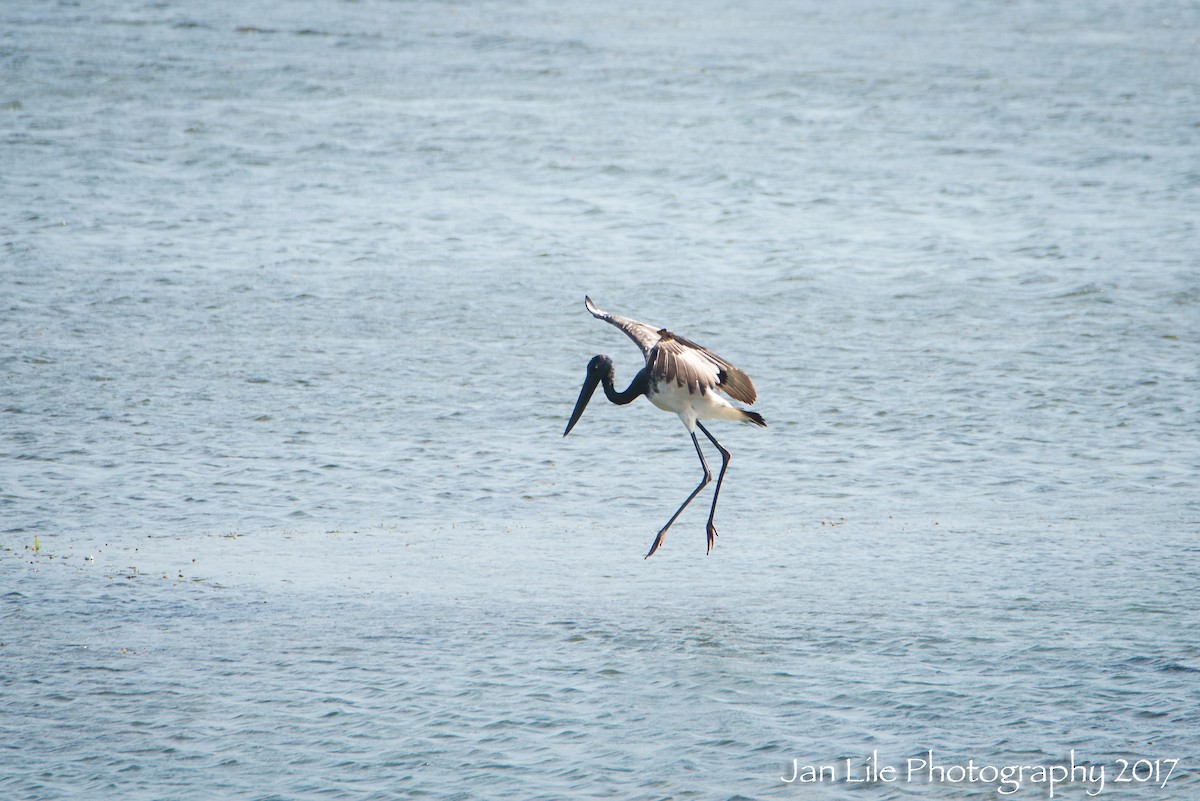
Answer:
[(657, 542), (712, 536)]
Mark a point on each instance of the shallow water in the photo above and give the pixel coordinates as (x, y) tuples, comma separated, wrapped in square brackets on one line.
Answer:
[(293, 305)]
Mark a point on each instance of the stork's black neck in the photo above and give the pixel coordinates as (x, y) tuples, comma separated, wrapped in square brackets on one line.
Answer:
[(639, 386)]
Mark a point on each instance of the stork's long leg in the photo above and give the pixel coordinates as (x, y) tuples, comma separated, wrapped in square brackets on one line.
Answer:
[(703, 483), (712, 530)]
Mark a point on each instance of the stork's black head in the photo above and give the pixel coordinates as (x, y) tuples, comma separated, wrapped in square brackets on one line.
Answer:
[(598, 369), (600, 365)]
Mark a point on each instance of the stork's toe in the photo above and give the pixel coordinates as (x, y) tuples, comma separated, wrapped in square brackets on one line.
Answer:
[(712, 536)]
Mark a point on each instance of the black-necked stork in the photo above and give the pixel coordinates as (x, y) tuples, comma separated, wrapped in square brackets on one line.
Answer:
[(681, 377)]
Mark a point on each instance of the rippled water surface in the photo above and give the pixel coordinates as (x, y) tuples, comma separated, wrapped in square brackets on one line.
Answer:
[(291, 298)]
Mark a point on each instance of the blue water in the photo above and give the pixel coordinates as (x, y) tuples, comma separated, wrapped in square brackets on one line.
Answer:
[(292, 304)]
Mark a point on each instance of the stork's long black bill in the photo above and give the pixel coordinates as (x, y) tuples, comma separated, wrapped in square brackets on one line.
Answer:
[(585, 395)]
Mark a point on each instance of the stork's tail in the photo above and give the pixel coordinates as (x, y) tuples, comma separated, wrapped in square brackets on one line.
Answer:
[(754, 417)]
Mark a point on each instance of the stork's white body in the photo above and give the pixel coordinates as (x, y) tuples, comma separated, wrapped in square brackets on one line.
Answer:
[(708, 405)]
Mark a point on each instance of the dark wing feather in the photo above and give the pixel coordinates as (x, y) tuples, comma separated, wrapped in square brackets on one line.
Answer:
[(679, 359)]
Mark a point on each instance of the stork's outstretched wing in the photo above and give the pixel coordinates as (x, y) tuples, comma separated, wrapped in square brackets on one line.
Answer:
[(674, 358), (646, 336)]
